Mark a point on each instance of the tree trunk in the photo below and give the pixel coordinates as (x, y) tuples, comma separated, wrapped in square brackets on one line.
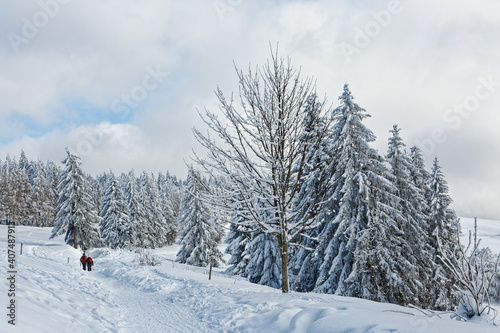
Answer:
[(75, 242), (283, 243), (210, 272)]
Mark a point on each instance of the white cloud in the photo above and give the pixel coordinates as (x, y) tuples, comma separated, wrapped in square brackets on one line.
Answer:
[(420, 62)]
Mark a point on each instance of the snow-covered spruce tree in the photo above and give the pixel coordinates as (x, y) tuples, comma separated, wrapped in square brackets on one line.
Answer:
[(8, 190), (419, 175), (137, 217), (238, 239), (3, 193), (26, 195), (414, 245), (198, 233), (155, 228), (358, 252), (53, 175), (441, 217), (23, 197), (27, 166), (114, 224), (264, 266), (258, 149), (302, 271), (43, 199), (174, 194), (220, 215), (442, 225), (19, 195), (76, 214), (166, 210)]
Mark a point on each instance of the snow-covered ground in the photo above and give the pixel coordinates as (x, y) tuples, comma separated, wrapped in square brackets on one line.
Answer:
[(53, 294)]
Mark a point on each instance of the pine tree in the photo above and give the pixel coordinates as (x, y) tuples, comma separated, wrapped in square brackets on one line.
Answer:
[(442, 218), (442, 224), (310, 201), (166, 209), (43, 202), (238, 238), (136, 213), (198, 233), (76, 214), (414, 244), (264, 266), (354, 255), (114, 224), (3, 193), (155, 227), (419, 175), (20, 193), (174, 195), (53, 175)]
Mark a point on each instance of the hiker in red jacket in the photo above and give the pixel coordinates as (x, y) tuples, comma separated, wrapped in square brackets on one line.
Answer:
[(90, 263), (83, 261)]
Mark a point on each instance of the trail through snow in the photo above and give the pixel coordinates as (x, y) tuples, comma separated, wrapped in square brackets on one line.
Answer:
[(54, 294)]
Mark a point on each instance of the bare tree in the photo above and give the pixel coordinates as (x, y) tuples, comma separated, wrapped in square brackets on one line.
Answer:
[(258, 150), (474, 273)]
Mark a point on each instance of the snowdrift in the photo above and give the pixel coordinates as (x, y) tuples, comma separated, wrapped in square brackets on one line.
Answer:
[(54, 294)]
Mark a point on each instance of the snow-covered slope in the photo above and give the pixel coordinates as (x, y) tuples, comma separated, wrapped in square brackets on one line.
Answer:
[(53, 294), (487, 230)]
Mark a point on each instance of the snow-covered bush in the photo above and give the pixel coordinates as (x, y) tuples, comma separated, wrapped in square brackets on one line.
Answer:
[(475, 273), (495, 289), (146, 258)]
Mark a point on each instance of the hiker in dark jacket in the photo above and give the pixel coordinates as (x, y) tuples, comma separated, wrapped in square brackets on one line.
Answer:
[(83, 261), (90, 263)]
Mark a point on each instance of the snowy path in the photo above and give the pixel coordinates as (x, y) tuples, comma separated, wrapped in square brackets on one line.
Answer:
[(121, 296), (146, 297)]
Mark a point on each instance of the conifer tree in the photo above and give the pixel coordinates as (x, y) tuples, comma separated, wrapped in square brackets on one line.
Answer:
[(355, 254), (43, 203), (76, 215), (414, 244), (310, 202), (442, 218), (114, 224), (155, 227), (419, 175), (166, 209), (3, 193), (136, 213), (264, 266), (442, 225), (198, 233), (238, 238)]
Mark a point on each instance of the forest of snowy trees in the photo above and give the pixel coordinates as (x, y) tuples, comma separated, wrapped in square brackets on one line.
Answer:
[(108, 210), (297, 191), (375, 232), (314, 207)]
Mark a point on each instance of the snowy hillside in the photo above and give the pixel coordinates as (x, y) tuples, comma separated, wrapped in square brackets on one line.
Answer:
[(53, 294)]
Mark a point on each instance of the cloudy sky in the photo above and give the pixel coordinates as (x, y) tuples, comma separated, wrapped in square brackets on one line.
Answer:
[(119, 81)]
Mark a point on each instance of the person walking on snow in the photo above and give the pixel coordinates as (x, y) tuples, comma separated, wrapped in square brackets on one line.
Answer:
[(90, 263), (83, 261)]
